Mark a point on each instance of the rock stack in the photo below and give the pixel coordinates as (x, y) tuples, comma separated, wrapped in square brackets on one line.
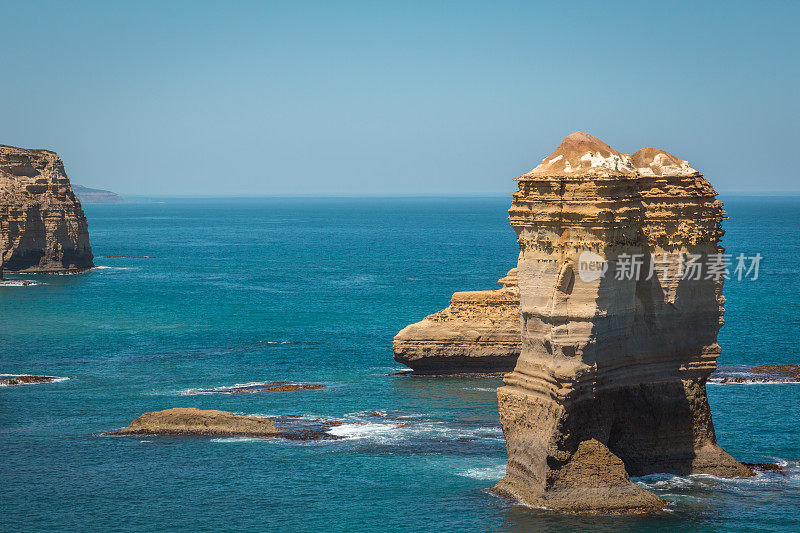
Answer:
[(478, 332), (42, 225), (611, 378)]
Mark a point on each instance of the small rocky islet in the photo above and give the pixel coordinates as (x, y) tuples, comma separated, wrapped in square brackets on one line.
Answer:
[(273, 386), (8, 380), (193, 421), (781, 373)]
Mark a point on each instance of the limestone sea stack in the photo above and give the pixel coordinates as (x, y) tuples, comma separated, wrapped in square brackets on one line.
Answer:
[(611, 378), (478, 332), (43, 228), (192, 421)]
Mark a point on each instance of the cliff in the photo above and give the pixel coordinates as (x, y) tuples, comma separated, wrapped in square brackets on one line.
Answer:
[(96, 196), (42, 225), (611, 378), (478, 332)]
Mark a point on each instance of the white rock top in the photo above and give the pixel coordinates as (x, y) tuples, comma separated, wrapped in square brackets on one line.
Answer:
[(655, 162), (582, 154)]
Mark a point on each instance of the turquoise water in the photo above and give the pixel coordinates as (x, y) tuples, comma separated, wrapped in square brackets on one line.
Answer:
[(313, 290)]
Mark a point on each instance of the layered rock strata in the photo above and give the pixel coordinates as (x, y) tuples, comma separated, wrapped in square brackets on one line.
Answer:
[(611, 378), (42, 225), (478, 332)]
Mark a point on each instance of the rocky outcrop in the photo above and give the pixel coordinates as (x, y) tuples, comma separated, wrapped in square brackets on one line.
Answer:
[(96, 196), (272, 386), (478, 332), (8, 380), (757, 374), (613, 368), (42, 225), (192, 421)]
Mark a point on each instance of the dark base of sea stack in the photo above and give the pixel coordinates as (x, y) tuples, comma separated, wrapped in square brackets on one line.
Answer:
[(577, 456), (593, 481), (37, 263), (460, 364)]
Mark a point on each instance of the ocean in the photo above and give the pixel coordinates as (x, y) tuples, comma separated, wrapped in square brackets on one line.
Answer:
[(312, 290)]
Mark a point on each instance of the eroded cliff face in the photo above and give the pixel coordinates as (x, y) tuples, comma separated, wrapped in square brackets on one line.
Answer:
[(611, 378), (42, 225), (478, 332)]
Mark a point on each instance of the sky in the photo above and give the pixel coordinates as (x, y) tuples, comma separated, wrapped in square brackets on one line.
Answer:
[(395, 98)]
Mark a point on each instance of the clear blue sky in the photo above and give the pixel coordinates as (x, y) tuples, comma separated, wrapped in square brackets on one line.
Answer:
[(258, 98)]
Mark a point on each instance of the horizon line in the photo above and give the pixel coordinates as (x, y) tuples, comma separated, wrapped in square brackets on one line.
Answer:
[(770, 193)]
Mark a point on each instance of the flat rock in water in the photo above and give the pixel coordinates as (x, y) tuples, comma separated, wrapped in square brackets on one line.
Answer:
[(765, 467), (784, 373), (192, 421), (275, 386), (26, 380)]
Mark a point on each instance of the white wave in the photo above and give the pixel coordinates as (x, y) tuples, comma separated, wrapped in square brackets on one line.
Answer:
[(387, 429), (238, 440), (487, 473), (354, 281), (390, 370), (305, 417), (215, 390), (483, 389), (755, 382), (237, 387), (19, 283), (668, 482), (75, 273), (381, 433), (671, 482)]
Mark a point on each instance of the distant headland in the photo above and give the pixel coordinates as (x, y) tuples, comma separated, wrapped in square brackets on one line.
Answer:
[(96, 196)]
